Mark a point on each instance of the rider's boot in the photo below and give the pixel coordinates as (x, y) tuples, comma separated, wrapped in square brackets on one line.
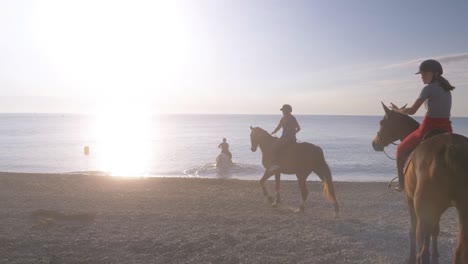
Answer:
[(401, 176)]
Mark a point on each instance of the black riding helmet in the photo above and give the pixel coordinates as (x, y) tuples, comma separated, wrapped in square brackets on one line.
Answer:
[(286, 108), (430, 66)]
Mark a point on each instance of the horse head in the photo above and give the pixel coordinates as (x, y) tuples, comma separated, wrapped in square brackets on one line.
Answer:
[(257, 137), (393, 126), (253, 139)]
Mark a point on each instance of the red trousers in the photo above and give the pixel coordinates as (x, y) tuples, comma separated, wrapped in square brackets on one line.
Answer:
[(413, 139)]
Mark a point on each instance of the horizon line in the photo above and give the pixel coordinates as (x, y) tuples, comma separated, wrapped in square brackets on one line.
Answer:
[(206, 114)]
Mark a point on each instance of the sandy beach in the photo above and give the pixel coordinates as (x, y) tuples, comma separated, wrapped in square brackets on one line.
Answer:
[(91, 219)]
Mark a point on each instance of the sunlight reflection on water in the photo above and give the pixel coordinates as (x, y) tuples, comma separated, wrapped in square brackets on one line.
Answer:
[(123, 142)]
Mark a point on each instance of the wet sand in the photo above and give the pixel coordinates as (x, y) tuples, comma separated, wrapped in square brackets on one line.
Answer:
[(91, 219)]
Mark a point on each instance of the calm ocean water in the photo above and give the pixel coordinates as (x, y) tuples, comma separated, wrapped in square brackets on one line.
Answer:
[(183, 145)]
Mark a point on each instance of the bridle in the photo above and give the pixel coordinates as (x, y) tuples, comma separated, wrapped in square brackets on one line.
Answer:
[(385, 145), (392, 185), (393, 143)]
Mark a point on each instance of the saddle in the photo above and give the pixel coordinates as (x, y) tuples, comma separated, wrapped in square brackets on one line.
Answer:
[(284, 149), (431, 133)]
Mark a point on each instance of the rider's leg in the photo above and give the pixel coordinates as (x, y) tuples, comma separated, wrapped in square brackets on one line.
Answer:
[(275, 149), (403, 151)]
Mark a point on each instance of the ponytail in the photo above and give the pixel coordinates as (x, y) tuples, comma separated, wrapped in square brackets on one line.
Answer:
[(444, 83)]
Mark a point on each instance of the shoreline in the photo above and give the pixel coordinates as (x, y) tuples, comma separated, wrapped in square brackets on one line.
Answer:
[(312, 177), (93, 219)]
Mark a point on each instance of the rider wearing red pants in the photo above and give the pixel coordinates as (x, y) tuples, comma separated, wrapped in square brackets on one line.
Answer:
[(437, 97)]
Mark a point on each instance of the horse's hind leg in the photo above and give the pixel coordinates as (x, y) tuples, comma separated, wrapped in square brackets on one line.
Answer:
[(412, 234), (423, 234), (461, 252), (427, 217), (301, 179), (435, 234)]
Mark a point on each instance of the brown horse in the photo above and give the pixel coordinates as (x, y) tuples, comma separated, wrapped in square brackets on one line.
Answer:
[(436, 179), (300, 159)]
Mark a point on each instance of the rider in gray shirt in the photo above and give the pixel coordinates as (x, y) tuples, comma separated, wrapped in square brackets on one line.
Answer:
[(438, 100)]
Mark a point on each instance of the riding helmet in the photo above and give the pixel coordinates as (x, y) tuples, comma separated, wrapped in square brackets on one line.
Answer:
[(286, 108), (430, 66)]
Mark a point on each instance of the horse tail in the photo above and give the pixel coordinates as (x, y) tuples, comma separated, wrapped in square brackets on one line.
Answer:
[(456, 158), (323, 171)]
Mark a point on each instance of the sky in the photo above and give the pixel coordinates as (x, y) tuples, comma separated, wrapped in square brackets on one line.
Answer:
[(227, 57)]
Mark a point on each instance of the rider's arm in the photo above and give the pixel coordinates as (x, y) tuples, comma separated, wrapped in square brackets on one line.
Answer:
[(278, 127), (410, 110), (298, 128)]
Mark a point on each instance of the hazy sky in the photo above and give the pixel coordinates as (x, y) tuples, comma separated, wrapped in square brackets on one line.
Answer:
[(322, 57)]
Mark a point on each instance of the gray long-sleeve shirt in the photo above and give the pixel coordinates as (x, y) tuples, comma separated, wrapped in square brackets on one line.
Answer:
[(438, 101)]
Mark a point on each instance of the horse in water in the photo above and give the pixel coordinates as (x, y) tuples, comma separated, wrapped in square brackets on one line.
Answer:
[(300, 159), (223, 164), (435, 179), (223, 161)]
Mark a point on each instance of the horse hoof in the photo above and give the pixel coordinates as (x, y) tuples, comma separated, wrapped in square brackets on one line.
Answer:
[(411, 260), (275, 204), (424, 258), (300, 210), (270, 199)]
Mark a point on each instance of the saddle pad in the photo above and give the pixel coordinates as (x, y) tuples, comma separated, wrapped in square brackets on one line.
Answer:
[(431, 133), (408, 162)]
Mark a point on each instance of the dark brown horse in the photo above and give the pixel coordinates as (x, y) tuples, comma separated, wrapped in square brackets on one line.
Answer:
[(300, 159), (436, 179)]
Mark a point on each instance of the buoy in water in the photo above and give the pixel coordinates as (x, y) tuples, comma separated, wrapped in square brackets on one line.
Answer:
[(86, 150)]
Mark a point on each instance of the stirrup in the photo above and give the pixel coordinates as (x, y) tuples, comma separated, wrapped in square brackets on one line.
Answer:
[(394, 186)]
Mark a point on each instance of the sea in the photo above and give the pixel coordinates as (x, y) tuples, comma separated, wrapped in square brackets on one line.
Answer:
[(182, 145)]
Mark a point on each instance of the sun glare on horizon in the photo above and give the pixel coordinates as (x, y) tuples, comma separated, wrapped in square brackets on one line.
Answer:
[(124, 131), (123, 56)]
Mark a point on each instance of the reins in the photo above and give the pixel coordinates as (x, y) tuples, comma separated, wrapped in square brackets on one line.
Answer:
[(393, 143), (392, 185)]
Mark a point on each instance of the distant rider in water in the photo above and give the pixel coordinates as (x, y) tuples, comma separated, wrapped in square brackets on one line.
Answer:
[(290, 128), (224, 146)]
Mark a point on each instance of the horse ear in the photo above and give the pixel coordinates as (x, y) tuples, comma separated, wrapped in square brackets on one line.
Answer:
[(404, 106), (385, 108), (251, 128)]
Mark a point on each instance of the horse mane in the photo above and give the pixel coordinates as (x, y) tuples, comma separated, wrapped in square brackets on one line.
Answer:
[(262, 131), (408, 119)]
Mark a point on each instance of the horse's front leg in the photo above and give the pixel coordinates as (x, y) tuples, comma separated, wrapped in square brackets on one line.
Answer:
[(301, 179), (277, 189), (263, 180)]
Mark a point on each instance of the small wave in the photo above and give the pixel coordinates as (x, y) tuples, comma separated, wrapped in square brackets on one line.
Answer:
[(235, 170), (89, 173)]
